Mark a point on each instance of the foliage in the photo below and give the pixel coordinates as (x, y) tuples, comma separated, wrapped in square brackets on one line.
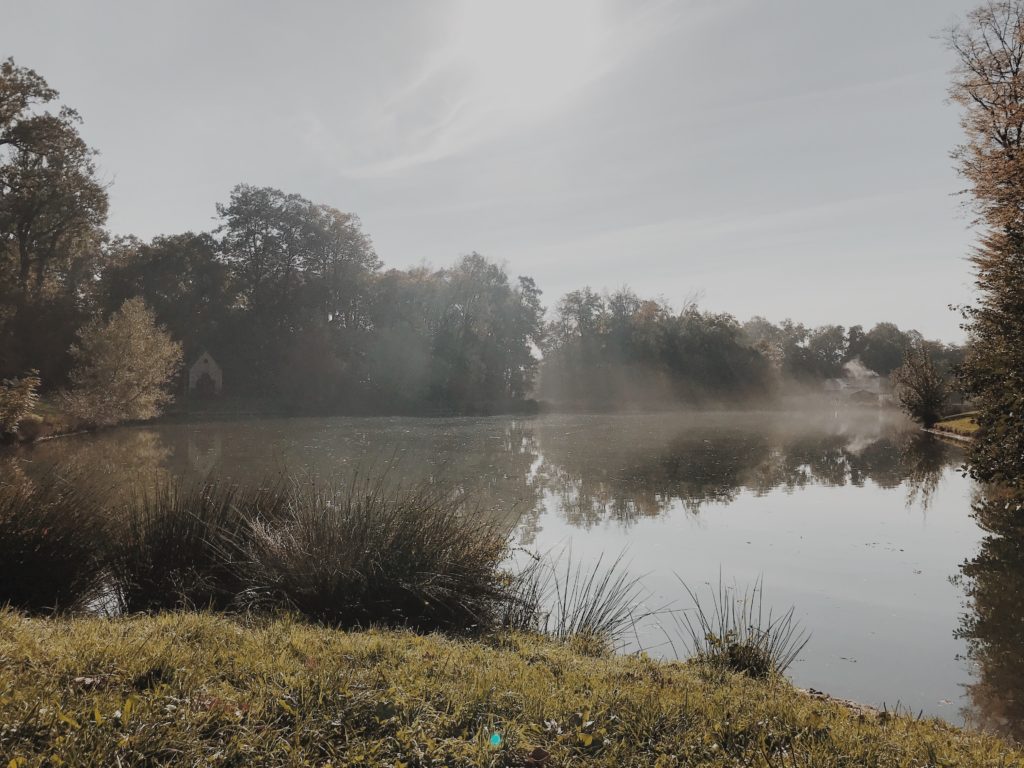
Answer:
[(52, 208), (921, 390), (195, 689), (620, 350), (123, 367), (175, 546), (18, 400), (733, 632), (989, 85)]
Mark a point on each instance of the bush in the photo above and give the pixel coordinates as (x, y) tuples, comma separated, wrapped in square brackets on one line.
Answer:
[(18, 400), (178, 547), (734, 634), (123, 367), (364, 555)]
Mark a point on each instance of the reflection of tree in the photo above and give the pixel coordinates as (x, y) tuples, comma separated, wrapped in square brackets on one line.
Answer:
[(994, 625), (116, 463), (591, 468), (626, 468)]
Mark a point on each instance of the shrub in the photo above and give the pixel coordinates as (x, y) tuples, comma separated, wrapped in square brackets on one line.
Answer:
[(51, 536), (364, 555), (123, 367), (180, 546), (18, 400), (734, 634)]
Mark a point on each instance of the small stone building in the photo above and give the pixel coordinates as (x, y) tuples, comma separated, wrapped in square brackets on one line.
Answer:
[(205, 376)]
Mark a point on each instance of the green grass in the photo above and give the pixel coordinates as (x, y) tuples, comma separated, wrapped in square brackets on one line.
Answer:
[(962, 424), (201, 689)]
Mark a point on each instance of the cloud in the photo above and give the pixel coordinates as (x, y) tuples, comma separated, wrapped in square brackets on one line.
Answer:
[(498, 68)]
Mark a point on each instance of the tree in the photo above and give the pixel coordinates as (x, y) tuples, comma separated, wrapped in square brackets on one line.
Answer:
[(920, 388), (52, 209), (827, 349), (298, 268), (883, 348), (123, 367), (182, 279), (988, 84)]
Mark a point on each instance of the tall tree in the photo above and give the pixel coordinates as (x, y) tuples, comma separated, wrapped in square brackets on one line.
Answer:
[(988, 84), (52, 208)]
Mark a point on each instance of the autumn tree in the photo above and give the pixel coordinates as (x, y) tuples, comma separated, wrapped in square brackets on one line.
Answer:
[(124, 367), (988, 84)]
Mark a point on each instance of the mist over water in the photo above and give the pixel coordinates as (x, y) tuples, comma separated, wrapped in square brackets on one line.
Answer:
[(854, 517)]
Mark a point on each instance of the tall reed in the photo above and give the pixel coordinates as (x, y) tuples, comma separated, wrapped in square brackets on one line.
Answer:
[(52, 533)]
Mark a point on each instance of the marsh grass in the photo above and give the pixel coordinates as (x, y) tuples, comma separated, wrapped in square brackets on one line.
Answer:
[(729, 629), (598, 606), (354, 555), (51, 536), (178, 546), (364, 554)]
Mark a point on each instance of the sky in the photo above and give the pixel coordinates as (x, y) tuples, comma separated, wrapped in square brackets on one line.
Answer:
[(785, 159)]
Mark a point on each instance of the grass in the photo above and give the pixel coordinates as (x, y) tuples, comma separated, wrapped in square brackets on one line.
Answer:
[(353, 556), (363, 555), (49, 531), (730, 630), (204, 689), (962, 424), (595, 607)]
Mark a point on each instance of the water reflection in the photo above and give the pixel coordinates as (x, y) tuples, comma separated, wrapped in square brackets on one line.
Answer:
[(994, 623), (596, 468), (636, 467)]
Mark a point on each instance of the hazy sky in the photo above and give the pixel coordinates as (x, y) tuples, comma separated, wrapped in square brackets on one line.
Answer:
[(782, 157)]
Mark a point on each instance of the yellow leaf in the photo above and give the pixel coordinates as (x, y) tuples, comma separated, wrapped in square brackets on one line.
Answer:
[(585, 738), (96, 715), (68, 719), (126, 710), (17, 762)]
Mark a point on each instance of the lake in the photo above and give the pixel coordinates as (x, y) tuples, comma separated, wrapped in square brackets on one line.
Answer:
[(857, 519)]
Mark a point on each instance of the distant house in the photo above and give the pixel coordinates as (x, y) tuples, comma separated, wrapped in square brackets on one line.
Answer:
[(205, 376)]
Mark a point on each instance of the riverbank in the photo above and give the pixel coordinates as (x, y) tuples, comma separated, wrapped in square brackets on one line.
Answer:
[(961, 427), (188, 688)]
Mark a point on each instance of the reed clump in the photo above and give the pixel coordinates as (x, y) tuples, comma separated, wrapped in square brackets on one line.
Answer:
[(730, 629), (51, 535)]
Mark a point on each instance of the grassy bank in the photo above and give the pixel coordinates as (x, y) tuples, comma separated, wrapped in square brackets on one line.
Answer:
[(200, 689), (961, 425)]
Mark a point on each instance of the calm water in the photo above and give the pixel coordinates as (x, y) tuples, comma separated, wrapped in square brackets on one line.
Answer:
[(858, 520)]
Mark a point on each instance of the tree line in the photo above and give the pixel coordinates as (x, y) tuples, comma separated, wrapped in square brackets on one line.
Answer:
[(294, 303)]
